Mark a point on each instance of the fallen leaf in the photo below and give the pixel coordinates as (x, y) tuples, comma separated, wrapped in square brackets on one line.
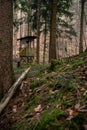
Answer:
[(50, 91), (77, 106), (82, 89), (58, 106), (69, 118), (14, 108), (30, 90), (38, 79), (38, 108), (64, 97), (72, 113)]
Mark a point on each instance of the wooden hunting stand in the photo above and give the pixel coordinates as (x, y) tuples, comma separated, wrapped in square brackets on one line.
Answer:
[(27, 49)]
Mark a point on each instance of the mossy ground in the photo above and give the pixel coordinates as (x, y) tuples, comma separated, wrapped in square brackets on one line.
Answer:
[(52, 98)]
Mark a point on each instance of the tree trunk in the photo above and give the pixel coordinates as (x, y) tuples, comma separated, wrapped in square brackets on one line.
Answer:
[(44, 50), (52, 46), (38, 30), (6, 47), (81, 26)]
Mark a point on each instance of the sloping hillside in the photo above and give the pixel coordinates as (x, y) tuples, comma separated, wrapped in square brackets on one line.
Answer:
[(50, 98)]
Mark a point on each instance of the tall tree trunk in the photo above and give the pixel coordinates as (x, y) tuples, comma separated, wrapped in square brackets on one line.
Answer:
[(44, 51), (21, 28), (38, 30), (52, 46), (81, 26), (6, 47)]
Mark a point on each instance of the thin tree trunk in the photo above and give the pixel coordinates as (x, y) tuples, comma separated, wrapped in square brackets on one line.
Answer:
[(81, 26), (44, 51), (21, 25), (38, 30)]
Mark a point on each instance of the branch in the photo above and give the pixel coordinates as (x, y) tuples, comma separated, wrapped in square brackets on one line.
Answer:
[(12, 90)]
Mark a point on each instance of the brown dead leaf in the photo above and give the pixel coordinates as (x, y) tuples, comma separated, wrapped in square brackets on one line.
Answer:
[(14, 108), (64, 97), (77, 106), (38, 108), (72, 113), (82, 89), (58, 106), (50, 91), (30, 90), (75, 113), (37, 78), (69, 118)]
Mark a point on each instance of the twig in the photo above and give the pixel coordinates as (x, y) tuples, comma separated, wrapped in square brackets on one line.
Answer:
[(82, 109)]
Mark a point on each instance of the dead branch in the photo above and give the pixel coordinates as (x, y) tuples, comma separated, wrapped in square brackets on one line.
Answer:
[(83, 109), (12, 90)]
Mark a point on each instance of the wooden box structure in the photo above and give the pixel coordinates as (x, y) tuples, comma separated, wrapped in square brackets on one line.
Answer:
[(27, 49)]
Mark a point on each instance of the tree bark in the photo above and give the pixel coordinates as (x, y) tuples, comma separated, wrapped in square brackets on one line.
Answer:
[(44, 49), (6, 47), (81, 26), (52, 46), (38, 30)]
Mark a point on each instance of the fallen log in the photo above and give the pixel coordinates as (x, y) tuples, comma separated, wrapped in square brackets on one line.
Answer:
[(12, 90)]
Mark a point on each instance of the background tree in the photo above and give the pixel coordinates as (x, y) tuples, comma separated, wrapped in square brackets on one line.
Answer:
[(52, 45), (63, 21), (38, 28), (6, 48), (81, 26)]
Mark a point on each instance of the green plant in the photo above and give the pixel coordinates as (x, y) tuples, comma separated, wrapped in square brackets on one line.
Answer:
[(72, 86), (47, 120), (85, 97), (32, 102), (37, 83)]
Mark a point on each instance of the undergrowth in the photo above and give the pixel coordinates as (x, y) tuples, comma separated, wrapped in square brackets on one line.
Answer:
[(63, 93)]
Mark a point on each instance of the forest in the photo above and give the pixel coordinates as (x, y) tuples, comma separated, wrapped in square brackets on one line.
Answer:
[(43, 64)]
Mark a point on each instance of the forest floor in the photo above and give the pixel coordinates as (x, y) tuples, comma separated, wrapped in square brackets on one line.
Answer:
[(52, 97)]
